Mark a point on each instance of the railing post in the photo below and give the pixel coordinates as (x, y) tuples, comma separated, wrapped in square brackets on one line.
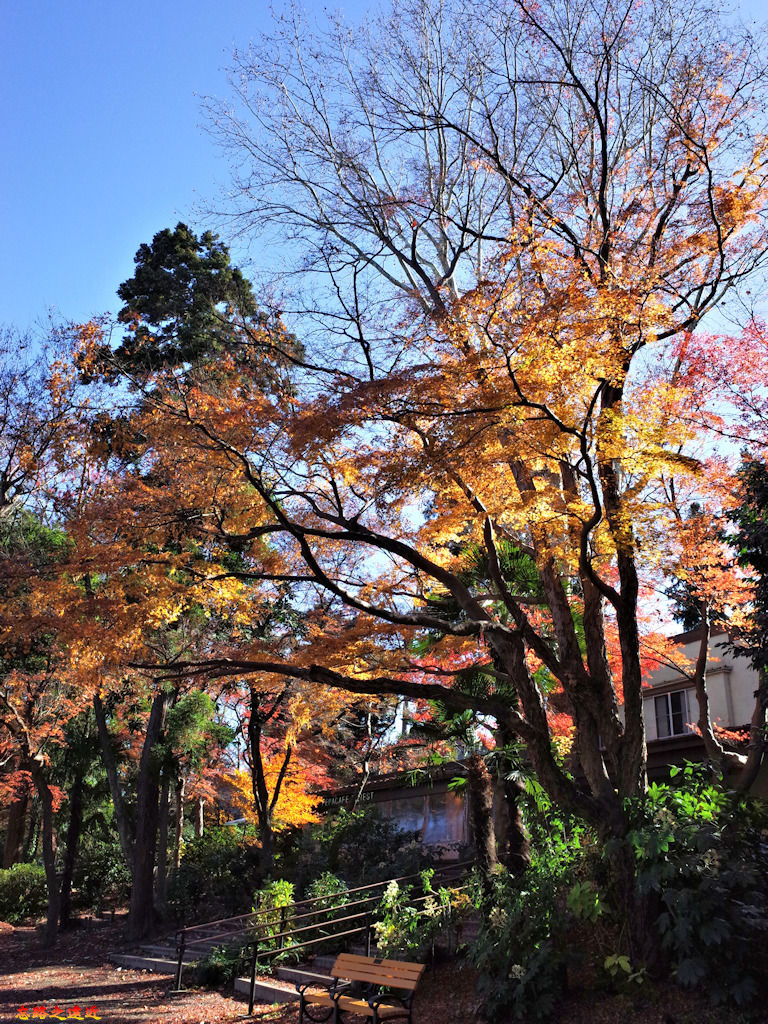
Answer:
[(367, 936), (283, 915), (180, 964), (254, 963)]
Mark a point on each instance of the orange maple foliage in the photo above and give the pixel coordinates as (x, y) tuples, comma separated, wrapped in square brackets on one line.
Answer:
[(503, 464)]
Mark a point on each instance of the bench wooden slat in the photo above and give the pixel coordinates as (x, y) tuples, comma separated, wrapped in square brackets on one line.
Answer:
[(353, 1005), (361, 1006), (391, 981), (374, 971), (377, 972)]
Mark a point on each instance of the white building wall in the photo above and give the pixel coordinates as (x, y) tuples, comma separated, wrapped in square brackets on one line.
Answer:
[(731, 684)]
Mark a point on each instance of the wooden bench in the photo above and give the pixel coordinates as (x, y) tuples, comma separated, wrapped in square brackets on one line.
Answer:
[(372, 976)]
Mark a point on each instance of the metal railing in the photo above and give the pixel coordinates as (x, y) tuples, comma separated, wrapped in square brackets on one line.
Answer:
[(255, 932)]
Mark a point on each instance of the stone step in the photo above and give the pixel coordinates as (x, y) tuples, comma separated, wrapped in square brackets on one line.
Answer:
[(322, 962), (303, 976), (165, 951), (267, 991), (157, 965), (200, 949)]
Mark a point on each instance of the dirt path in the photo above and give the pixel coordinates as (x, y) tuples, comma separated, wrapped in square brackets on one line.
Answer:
[(51, 984), (76, 974)]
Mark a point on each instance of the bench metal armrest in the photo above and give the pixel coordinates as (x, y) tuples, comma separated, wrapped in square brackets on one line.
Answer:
[(334, 987)]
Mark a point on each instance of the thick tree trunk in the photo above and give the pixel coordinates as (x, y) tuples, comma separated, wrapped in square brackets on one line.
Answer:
[(141, 918), (639, 910), (480, 786), (514, 847), (14, 833), (74, 831), (514, 842), (110, 766), (161, 876), (179, 821)]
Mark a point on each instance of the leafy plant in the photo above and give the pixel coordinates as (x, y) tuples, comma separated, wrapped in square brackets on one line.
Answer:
[(221, 966), (360, 847), (100, 870), (23, 894), (584, 901), (272, 903), (216, 875), (620, 969), (409, 924), (700, 850), (519, 952)]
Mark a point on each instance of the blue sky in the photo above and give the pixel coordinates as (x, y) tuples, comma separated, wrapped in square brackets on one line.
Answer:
[(102, 137)]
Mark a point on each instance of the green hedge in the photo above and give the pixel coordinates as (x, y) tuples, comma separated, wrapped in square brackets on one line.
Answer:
[(22, 893)]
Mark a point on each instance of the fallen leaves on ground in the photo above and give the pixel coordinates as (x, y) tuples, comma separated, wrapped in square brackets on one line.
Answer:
[(77, 972)]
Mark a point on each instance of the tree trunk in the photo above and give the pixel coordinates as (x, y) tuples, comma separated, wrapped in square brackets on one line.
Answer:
[(259, 786), (74, 831), (161, 876), (199, 817), (33, 831), (141, 918), (757, 736), (14, 833), (49, 854), (639, 910), (480, 785), (179, 820), (110, 766), (515, 845)]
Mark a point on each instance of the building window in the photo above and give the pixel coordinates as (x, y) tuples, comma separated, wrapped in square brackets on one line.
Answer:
[(672, 714)]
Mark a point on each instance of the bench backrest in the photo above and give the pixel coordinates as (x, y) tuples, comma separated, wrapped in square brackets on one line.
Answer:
[(374, 971)]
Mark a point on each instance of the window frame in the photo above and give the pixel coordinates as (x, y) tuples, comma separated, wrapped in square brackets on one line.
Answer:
[(683, 715)]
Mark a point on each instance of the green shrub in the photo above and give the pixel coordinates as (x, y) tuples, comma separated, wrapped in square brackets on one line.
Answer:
[(221, 966), (361, 847), (520, 950), (23, 893), (272, 902), (410, 922), (216, 876), (523, 948), (329, 890), (702, 852), (100, 872)]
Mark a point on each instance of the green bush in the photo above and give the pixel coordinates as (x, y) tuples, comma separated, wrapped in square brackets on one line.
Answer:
[(523, 948), (272, 902), (409, 921), (221, 966), (100, 872), (216, 876), (361, 847), (520, 951), (702, 851), (23, 893)]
